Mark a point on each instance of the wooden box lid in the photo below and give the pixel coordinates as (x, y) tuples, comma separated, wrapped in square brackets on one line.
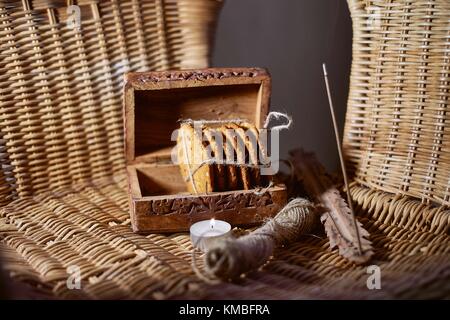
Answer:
[(154, 102)]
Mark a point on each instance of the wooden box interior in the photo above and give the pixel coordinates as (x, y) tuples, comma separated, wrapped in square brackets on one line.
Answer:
[(157, 112), (158, 180)]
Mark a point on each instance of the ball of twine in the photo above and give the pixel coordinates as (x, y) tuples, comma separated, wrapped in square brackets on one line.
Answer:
[(233, 257)]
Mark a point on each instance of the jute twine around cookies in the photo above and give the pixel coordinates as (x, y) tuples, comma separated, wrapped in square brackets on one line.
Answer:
[(233, 257), (272, 115)]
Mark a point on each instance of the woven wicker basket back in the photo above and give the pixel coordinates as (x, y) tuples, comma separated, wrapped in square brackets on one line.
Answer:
[(397, 134), (60, 84)]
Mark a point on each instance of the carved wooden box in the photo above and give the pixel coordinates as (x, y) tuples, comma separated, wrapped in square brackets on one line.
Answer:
[(154, 102)]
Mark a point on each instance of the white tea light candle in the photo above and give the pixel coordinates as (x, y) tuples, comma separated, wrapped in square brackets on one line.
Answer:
[(207, 232)]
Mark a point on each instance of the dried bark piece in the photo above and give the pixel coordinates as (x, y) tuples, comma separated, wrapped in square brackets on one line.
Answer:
[(337, 218), (340, 229)]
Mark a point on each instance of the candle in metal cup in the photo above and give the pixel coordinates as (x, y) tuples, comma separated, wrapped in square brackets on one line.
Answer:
[(207, 232)]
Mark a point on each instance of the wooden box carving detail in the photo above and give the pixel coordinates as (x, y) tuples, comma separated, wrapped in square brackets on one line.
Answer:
[(210, 203)]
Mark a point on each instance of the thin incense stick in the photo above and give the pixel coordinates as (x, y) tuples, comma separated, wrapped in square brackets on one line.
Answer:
[(341, 158)]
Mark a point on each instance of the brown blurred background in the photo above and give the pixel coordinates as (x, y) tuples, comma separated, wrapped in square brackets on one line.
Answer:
[(292, 38)]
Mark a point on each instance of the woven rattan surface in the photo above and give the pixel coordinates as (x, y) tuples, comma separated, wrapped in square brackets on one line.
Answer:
[(397, 133), (63, 190), (60, 86), (87, 225)]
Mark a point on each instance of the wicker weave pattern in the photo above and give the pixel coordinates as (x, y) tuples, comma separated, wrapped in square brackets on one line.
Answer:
[(60, 87), (397, 134), (87, 225), (60, 141)]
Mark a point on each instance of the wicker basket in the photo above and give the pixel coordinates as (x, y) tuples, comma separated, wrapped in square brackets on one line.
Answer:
[(397, 130), (63, 192), (60, 85)]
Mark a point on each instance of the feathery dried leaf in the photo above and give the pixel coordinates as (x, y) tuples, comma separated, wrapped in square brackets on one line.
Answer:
[(337, 218)]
